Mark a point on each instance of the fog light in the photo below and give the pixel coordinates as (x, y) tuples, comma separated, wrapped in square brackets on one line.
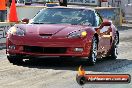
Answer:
[(78, 49), (12, 47)]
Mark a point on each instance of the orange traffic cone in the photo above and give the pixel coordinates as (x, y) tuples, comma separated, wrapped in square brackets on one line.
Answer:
[(13, 13)]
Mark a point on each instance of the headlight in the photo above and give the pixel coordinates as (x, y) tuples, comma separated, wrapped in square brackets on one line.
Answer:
[(77, 34), (83, 34), (16, 31)]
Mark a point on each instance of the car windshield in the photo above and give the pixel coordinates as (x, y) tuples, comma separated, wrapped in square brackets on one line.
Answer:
[(64, 16)]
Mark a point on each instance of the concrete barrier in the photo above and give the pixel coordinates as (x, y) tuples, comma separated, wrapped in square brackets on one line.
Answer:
[(4, 26), (26, 11), (128, 12)]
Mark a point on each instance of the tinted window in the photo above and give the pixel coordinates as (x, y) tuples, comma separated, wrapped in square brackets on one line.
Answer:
[(65, 16)]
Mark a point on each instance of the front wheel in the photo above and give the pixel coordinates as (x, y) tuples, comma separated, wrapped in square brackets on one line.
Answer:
[(15, 59), (93, 53)]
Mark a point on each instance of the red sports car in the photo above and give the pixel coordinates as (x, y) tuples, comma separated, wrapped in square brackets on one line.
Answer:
[(63, 31)]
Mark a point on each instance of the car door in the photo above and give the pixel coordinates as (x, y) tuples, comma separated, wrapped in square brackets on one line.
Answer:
[(105, 39), (104, 33)]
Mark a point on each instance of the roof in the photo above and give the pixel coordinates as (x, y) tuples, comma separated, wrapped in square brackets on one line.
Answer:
[(73, 7)]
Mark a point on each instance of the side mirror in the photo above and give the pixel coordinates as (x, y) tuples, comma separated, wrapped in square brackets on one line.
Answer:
[(106, 23), (25, 20)]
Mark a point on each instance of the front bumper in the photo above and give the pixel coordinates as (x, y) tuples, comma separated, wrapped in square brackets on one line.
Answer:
[(47, 47)]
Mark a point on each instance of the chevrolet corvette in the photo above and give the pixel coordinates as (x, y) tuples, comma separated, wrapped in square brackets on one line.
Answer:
[(63, 31)]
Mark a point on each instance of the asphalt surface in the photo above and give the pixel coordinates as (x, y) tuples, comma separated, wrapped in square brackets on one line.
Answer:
[(61, 73)]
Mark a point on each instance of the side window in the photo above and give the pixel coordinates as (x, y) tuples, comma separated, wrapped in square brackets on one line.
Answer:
[(98, 19)]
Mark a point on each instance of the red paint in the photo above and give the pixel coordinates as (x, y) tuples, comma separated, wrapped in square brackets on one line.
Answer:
[(58, 38)]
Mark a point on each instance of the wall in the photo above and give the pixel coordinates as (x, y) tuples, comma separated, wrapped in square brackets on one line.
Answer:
[(4, 26), (27, 11)]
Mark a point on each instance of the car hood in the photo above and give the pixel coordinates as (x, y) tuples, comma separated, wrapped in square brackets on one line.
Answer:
[(51, 29)]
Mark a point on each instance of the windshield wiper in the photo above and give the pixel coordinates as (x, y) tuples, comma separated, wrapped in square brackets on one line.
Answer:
[(37, 23), (43, 23)]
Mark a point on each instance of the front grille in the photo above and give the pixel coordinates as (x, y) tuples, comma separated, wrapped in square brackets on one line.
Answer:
[(45, 50)]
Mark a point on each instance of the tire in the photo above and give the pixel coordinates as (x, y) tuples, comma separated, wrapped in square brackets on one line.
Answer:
[(93, 53), (15, 59), (114, 48), (113, 52)]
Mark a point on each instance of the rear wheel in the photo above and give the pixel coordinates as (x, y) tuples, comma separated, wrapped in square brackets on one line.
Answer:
[(93, 53), (15, 59), (113, 52), (114, 48)]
